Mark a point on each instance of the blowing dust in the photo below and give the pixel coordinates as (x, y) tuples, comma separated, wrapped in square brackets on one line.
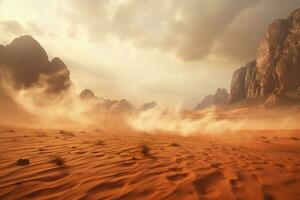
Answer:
[(67, 109)]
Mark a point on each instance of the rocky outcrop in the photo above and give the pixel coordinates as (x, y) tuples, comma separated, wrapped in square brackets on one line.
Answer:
[(107, 105), (87, 94), (219, 98), (276, 70), (26, 63)]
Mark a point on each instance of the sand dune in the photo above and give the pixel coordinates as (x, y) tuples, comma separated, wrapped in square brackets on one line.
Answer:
[(95, 165)]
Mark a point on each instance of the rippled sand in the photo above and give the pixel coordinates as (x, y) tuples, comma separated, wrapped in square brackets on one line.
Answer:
[(96, 165)]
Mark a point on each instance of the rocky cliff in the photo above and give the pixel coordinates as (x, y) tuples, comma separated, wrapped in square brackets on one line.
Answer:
[(219, 98), (26, 64), (276, 70)]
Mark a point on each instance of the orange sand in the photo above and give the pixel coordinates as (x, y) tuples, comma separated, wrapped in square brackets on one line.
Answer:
[(241, 165)]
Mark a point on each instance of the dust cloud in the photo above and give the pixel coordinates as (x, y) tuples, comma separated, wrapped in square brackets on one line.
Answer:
[(67, 109)]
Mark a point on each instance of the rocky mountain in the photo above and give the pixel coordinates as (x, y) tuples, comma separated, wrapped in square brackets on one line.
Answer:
[(26, 63), (275, 74), (219, 98)]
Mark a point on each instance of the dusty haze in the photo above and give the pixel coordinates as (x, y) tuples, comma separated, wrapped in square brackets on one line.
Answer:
[(151, 46)]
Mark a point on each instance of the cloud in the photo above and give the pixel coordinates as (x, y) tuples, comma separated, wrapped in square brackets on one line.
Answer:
[(200, 24), (34, 28), (190, 29), (12, 27), (240, 40), (15, 28)]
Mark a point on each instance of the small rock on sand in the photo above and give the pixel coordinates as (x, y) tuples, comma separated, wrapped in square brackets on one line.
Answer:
[(23, 162)]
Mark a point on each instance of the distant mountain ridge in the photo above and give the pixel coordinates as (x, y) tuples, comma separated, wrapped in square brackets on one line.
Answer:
[(101, 104), (24, 63), (219, 98)]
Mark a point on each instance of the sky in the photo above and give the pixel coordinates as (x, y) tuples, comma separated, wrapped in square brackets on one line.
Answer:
[(168, 51)]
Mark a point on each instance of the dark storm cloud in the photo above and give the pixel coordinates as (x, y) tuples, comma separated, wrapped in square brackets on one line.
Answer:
[(191, 29)]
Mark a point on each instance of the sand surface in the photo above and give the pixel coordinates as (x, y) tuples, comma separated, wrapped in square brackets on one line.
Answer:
[(81, 164)]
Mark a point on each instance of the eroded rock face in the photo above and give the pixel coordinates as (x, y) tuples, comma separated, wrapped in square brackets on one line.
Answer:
[(269, 53), (237, 91), (26, 63), (277, 67), (244, 83), (219, 98)]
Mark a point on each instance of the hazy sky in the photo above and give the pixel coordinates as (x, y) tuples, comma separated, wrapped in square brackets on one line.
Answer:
[(168, 51)]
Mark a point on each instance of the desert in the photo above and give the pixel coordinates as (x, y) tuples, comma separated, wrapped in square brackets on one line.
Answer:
[(100, 100), (237, 165)]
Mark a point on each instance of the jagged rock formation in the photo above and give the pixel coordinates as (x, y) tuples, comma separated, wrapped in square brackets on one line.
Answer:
[(27, 64), (107, 105), (276, 71), (219, 98), (24, 64)]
